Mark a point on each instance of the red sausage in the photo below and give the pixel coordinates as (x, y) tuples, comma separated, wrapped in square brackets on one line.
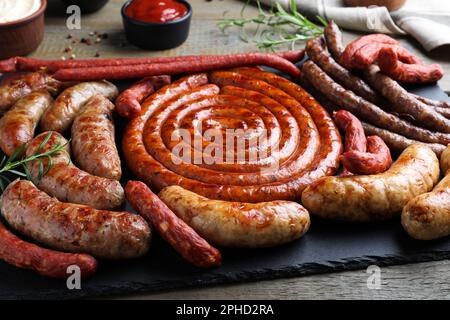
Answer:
[(200, 64), (376, 160), (181, 237), (355, 139), (32, 64), (128, 104), (410, 73), (46, 262)]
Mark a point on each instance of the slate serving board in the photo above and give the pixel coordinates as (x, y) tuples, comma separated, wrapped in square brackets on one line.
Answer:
[(327, 247)]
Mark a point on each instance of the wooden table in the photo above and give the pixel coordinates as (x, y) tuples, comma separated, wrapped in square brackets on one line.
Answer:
[(424, 280)]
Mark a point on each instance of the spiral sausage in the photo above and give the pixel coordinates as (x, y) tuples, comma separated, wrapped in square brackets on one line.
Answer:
[(302, 142)]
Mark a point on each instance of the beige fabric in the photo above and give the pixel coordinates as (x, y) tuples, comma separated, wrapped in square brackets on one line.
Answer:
[(427, 21)]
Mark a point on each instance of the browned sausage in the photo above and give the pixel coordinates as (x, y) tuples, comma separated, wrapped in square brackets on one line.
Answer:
[(365, 110), (74, 228), (93, 142), (402, 102), (333, 37), (20, 87), (128, 103), (17, 126), (181, 237), (68, 183), (200, 64), (46, 262), (70, 102)]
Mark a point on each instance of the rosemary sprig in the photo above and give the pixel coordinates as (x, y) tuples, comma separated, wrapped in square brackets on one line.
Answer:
[(13, 163), (275, 27)]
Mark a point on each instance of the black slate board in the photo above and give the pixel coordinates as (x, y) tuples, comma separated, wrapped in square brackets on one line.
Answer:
[(327, 247)]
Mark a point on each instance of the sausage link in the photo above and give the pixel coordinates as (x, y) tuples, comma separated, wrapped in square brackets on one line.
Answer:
[(316, 52), (32, 64), (17, 126), (200, 64), (93, 142), (70, 102), (68, 183), (391, 66), (181, 237), (46, 262), (71, 227), (333, 37), (376, 160), (403, 102), (128, 103), (427, 216), (365, 110), (397, 142), (236, 224), (374, 197), (11, 92)]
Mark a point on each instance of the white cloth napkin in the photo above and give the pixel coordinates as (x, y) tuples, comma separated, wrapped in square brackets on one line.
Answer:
[(427, 21)]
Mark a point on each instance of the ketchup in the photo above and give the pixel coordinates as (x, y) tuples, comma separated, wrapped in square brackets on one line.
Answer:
[(156, 11)]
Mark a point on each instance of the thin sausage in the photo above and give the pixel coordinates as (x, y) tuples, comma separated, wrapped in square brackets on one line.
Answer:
[(74, 228), (365, 110), (236, 224), (46, 262), (403, 102), (333, 37), (93, 142), (17, 126), (128, 103), (374, 197), (181, 237), (70, 102), (201, 64), (32, 64), (68, 183)]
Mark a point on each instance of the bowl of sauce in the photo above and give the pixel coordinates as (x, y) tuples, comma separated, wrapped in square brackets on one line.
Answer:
[(21, 26), (156, 24)]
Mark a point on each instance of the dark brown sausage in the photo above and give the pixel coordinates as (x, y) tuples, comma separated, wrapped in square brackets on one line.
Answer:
[(365, 110), (317, 53), (71, 227), (128, 103), (181, 236), (333, 37), (402, 102), (46, 262)]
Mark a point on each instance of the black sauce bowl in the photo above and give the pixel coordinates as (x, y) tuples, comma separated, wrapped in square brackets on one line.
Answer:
[(157, 36)]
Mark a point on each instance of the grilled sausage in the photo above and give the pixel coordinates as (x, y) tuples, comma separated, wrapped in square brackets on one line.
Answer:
[(93, 143), (397, 142), (70, 102), (181, 237), (17, 126), (68, 183), (74, 228), (374, 197), (237, 224), (365, 110), (333, 37), (427, 216), (403, 102), (128, 104), (20, 87), (46, 262)]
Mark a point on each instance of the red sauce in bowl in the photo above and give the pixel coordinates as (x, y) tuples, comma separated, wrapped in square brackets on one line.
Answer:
[(156, 11)]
